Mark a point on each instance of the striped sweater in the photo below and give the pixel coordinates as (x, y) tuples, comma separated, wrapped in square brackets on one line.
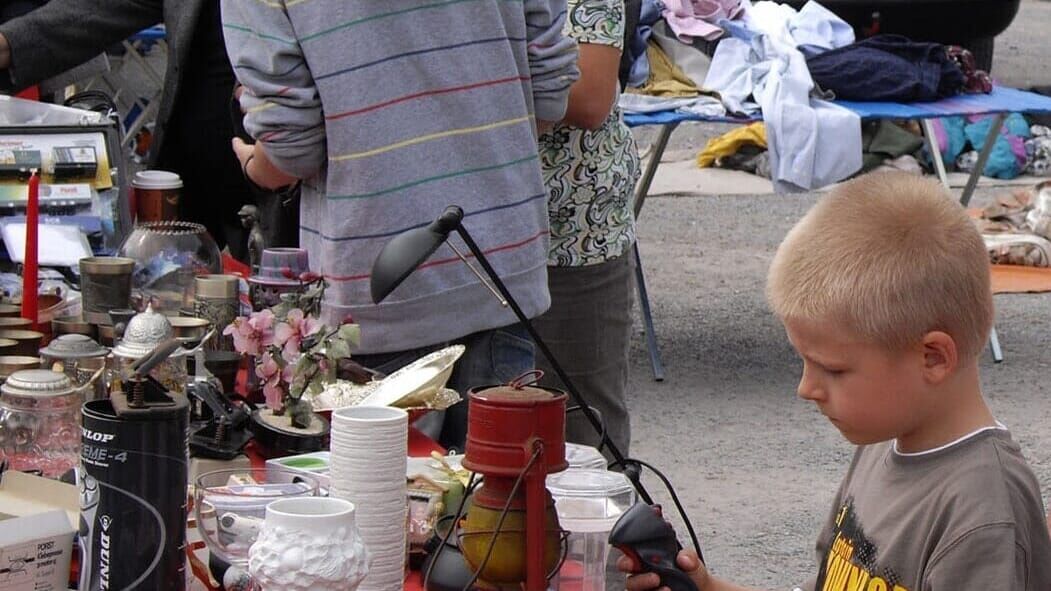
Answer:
[(390, 110)]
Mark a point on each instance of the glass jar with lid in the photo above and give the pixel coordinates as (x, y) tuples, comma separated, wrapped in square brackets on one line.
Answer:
[(79, 357), (40, 421)]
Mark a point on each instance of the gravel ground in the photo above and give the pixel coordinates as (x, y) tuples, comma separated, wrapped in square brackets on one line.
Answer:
[(755, 466)]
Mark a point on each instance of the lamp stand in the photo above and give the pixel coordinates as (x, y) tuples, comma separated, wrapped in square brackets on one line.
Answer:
[(575, 394)]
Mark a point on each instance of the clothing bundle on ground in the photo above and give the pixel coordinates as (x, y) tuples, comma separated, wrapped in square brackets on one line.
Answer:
[(1019, 149), (1016, 227), (788, 66)]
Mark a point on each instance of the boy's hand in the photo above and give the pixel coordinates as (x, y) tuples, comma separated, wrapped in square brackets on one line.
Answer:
[(687, 561)]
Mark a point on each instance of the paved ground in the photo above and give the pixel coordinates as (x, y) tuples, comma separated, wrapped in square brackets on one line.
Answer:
[(755, 466)]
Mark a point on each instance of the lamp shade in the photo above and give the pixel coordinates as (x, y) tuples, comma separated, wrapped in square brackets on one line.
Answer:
[(406, 251)]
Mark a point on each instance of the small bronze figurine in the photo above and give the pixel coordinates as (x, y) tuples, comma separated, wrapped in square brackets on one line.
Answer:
[(249, 215)]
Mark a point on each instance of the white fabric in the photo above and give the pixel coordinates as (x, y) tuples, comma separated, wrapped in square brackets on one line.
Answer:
[(702, 106), (812, 142)]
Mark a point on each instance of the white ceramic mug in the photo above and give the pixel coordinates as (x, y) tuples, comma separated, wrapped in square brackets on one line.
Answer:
[(309, 543)]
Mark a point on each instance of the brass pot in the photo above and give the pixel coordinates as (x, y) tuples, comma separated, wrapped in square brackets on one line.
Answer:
[(9, 364), (29, 341), (189, 328), (10, 311), (72, 325), (15, 322)]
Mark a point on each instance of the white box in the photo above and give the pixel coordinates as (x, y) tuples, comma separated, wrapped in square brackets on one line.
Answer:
[(37, 527), (317, 461)]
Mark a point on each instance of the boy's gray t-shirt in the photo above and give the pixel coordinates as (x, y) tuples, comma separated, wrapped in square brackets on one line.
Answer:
[(966, 516)]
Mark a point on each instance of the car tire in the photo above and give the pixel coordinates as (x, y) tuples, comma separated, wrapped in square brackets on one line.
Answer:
[(982, 48)]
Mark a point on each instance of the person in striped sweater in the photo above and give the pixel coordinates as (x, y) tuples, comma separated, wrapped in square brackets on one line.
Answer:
[(388, 111)]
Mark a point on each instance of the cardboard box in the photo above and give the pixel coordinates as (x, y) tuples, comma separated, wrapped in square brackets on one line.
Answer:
[(38, 519)]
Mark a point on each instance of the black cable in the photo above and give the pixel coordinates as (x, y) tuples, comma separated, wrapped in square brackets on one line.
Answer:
[(503, 514), (601, 420), (674, 497)]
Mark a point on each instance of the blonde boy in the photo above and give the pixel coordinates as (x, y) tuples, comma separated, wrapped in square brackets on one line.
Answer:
[(883, 289)]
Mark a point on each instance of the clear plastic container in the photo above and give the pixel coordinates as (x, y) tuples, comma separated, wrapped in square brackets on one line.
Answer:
[(584, 457), (589, 503)]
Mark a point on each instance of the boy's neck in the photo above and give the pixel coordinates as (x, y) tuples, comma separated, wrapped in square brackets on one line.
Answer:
[(958, 410)]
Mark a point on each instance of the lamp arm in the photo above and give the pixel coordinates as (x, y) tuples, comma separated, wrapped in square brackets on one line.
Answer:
[(575, 394)]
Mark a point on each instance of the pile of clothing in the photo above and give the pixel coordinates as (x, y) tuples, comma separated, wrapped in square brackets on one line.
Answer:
[(1017, 227), (786, 66)]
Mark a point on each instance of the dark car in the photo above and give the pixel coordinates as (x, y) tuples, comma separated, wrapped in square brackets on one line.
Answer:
[(970, 23)]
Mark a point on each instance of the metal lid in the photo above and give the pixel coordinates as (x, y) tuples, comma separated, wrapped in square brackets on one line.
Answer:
[(216, 286), (145, 331), (74, 346), (37, 382)]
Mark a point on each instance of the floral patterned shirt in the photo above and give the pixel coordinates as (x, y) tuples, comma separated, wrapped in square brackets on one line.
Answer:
[(591, 174)]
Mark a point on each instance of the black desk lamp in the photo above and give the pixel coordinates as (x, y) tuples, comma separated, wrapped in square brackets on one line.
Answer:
[(408, 250)]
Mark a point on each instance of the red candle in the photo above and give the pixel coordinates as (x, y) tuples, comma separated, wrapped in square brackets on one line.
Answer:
[(29, 261)]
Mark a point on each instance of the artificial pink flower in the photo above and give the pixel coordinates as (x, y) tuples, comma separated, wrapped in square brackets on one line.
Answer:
[(275, 380), (270, 373), (252, 334), (290, 334)]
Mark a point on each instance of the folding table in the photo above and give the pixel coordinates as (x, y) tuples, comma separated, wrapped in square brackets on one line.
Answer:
[(1001, 102)]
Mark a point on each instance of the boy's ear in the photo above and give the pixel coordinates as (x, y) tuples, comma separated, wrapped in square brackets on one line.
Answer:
[(940, 356)]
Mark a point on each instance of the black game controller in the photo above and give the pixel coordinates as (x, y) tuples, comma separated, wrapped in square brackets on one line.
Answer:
[(644, 536)]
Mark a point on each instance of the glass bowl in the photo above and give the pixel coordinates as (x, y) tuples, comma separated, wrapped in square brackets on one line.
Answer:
[(168, 256), (230, 505)]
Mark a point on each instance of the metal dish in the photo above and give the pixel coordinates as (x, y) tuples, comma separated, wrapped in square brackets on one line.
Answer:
[(419, 380)]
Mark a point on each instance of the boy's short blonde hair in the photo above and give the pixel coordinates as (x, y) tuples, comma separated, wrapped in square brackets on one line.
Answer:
[(889, 256)]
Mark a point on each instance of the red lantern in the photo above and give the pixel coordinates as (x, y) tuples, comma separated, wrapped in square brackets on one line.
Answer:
[(515, 438)]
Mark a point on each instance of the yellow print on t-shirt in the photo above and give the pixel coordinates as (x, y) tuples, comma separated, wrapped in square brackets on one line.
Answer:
[(841, 574)]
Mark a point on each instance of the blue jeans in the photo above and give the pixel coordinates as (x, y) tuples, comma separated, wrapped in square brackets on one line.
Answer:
[(491, 357)]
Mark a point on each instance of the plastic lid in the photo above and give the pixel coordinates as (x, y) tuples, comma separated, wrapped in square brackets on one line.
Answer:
[(584, 456), (588, 483), (590, 501), (156, 179)]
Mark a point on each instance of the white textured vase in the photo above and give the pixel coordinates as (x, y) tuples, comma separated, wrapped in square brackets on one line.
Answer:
[(309, 543)]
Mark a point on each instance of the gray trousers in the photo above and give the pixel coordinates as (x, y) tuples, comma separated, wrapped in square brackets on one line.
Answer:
[(588, 329)]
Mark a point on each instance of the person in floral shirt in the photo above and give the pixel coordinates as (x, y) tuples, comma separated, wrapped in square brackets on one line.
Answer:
[(590, 164)]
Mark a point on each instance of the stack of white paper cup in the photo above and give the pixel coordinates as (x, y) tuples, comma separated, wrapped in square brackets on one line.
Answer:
[(367, 467)]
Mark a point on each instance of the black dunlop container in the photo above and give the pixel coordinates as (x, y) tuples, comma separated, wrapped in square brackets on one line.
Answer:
[(133, 496)]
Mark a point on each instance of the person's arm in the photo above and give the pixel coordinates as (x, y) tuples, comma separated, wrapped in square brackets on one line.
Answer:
[(281, 103), (598, 28), (591, 98), (63, 34), (552, 59)]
